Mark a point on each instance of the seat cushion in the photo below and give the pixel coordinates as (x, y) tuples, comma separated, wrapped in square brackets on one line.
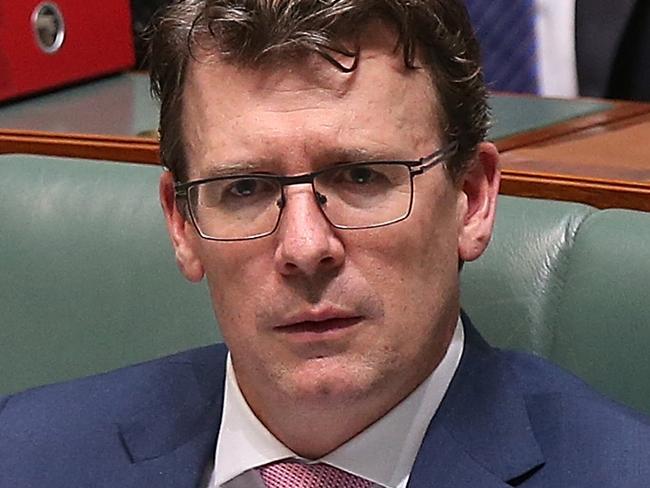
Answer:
[(603, 315)]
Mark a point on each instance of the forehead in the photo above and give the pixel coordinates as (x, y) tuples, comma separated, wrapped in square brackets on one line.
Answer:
[(304, 108)]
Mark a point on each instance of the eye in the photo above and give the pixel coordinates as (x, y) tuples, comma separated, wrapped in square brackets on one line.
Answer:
[(235, 191), (361, 175), (249, 188), (364, 177), (244, 187)]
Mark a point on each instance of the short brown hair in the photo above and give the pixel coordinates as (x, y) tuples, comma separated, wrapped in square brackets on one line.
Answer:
[(250, 31)]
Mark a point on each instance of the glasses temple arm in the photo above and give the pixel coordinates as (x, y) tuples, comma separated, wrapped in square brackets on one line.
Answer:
[(436, 158)]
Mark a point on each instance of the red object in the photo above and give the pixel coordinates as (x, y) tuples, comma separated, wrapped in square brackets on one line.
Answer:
[(44, 45)]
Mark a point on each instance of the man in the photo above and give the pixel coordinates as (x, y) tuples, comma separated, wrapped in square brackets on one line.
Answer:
[(328, 177)]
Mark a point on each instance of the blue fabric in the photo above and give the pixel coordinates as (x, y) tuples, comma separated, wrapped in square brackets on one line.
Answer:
[(508, 419), (506, 32)]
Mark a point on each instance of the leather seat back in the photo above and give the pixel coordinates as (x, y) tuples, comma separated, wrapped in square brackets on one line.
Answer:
[(603, 314), (570, 283), (88, 281)]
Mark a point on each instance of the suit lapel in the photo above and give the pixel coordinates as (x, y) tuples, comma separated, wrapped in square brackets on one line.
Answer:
[(600, 27), (172, 444), (481, 435)]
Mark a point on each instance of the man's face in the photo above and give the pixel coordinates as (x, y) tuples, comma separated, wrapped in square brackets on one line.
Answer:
[(314, 314)]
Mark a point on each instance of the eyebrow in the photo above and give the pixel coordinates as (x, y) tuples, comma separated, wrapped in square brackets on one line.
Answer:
[(345, 155), (236, 167), (351, 155), (325, 159)]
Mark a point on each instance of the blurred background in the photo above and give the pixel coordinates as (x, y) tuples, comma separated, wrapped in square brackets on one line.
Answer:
[(565, 48)]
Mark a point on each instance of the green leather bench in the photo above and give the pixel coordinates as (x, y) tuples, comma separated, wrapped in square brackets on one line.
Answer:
[(88, 281)]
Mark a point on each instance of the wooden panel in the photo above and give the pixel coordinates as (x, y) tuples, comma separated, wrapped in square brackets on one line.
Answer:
[(601, 194), (605, 166), (620, 111), (132, 149)]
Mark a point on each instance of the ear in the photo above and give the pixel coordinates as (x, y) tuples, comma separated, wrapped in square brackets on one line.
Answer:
[(479, 190), (181, 231)]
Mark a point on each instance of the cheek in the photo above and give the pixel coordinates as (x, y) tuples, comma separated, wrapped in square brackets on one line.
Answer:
[(414, 254), (234, 274), (413, 266)]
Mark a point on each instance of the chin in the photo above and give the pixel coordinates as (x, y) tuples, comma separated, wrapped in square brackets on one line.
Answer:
[(326, 380)]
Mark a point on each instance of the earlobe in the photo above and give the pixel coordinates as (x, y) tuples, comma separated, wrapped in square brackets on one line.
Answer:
[(479, 190), (181, 232)]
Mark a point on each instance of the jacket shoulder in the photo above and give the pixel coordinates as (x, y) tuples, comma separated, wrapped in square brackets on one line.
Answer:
[(77, 433), (582, 433), (110, 397)]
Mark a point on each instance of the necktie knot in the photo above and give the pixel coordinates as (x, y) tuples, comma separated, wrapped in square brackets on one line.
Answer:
[(295, 474)]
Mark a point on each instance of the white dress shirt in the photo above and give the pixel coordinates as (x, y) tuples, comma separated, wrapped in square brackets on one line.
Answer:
[(556, 47), (384, 453)]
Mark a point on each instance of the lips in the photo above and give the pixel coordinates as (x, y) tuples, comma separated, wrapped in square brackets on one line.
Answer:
[(319, 322), (322, 326)]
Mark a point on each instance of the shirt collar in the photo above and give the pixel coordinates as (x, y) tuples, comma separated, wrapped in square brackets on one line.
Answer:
[(244, 442)]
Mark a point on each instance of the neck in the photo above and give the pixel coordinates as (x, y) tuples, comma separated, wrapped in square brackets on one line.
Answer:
[(314, 431), (316, 426)]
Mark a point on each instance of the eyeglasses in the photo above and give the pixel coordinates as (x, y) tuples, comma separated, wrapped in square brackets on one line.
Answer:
[(359, 195)]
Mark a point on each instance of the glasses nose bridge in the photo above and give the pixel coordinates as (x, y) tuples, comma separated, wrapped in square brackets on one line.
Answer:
[(307, 178), (304, 179)]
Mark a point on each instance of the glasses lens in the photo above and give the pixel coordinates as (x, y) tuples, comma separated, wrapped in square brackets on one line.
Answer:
[(235, 208), (365, 195)]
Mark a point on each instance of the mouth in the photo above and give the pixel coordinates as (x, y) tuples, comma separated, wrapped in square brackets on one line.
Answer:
[(319, 325)]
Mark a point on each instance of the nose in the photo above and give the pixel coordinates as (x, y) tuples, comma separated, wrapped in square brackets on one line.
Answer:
[(307, 243)]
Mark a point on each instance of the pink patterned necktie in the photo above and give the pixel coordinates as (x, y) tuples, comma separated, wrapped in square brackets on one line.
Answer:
[(294, 474)]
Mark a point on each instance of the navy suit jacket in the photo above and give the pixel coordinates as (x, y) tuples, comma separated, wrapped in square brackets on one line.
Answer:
[(508, 419)]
